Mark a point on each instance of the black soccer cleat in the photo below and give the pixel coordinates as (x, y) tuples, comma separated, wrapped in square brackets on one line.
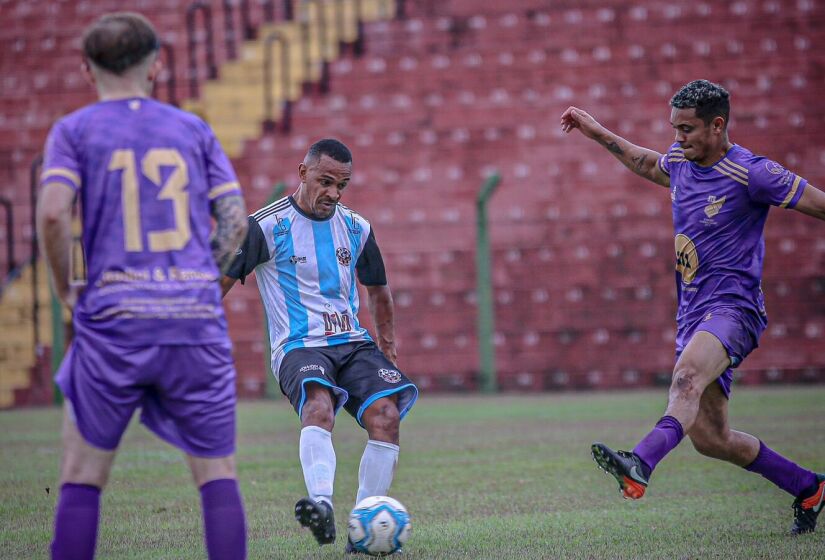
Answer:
[(625, 467), (806, 508), (318, 517)]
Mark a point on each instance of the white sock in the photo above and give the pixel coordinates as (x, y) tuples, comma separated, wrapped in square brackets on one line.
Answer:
[(377, 469), (318, 462)]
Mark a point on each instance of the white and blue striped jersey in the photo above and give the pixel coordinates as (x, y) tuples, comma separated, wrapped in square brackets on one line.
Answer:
[(306, 270)]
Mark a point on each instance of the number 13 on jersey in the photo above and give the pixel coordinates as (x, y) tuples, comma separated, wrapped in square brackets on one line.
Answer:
[(173, 189)]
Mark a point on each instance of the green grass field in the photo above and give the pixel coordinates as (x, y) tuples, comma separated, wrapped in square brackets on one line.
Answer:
[(483, 477)]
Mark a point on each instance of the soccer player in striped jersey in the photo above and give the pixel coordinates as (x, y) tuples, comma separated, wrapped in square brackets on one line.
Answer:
[(149, 327), (307, 251), (720, 194)]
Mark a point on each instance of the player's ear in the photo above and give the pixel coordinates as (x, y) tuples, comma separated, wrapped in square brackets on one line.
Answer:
[(302, 172), (88, 75), (718, 124), (155, 69)]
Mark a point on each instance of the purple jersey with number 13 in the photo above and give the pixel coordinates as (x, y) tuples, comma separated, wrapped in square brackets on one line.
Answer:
[(719, 215), (146, 175)]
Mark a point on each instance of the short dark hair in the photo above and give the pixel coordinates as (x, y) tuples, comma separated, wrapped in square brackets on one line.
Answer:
[(119, 41), (710, 100), (329, 147)]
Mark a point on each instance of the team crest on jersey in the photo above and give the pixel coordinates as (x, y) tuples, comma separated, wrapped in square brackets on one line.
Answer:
[(344, 256), (774, 168), (715, 205), (389, 375)]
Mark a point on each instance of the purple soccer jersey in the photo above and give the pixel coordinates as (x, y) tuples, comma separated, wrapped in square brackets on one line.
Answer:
[(719, 215), (146, 175)]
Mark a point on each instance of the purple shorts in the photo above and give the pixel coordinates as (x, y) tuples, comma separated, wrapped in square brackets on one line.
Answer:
[(186, 393), (739, 333)]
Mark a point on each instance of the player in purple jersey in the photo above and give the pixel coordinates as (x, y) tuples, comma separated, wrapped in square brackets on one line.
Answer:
[(721, 194), (149, 326)]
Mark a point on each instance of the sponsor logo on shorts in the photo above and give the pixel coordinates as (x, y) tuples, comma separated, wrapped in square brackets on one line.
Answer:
[(389, 375), (344, 256), (312, 367)]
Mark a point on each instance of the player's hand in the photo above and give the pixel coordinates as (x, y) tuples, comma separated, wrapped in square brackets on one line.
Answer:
[(389, 351), (574, 117)]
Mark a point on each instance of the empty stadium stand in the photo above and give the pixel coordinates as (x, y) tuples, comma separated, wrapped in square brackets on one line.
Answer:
[(447, 92)]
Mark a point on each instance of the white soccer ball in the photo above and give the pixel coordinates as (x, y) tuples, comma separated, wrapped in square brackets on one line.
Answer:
[(379, 525)]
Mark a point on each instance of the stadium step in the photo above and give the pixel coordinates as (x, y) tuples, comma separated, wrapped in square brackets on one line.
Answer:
[(234, 104), (17, 345)]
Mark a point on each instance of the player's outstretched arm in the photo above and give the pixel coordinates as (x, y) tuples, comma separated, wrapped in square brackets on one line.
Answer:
[(54, 230), (381, 309), (812, 202), (230, 214), (639, 160)]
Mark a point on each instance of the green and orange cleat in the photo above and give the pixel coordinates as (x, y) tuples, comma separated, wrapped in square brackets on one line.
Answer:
[(806, 508), (625, 467)]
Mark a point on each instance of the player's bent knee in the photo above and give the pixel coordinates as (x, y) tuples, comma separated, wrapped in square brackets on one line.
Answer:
[(383, 419), (84, 464), (686, 383), (207, 469), (318, 409)]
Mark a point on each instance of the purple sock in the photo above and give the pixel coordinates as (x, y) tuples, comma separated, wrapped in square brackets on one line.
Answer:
[(659, 442), (223, 520), (75, 522), (786, 474)]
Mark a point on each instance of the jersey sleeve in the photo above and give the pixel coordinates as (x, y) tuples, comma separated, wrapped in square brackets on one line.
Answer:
[(220, 175), (770, 183), (61, 163), (370, 264), (252, 252), (665, 159)]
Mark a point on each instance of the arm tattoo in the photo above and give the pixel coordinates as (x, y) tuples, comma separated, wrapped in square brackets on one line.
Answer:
[(614, 147), (230, 214), (639, 162)]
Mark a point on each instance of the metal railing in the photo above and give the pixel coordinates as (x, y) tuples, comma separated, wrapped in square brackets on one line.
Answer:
[(269, 102), (34, 176), (171, 70), (7, 206), (323, 83), (192, 43), (269, 10)]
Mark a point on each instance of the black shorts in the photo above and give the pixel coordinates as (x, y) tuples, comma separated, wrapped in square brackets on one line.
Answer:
[(357, 373)]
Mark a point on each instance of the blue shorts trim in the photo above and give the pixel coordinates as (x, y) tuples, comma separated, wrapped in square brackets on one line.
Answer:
[(381, 394), (342, 395)]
